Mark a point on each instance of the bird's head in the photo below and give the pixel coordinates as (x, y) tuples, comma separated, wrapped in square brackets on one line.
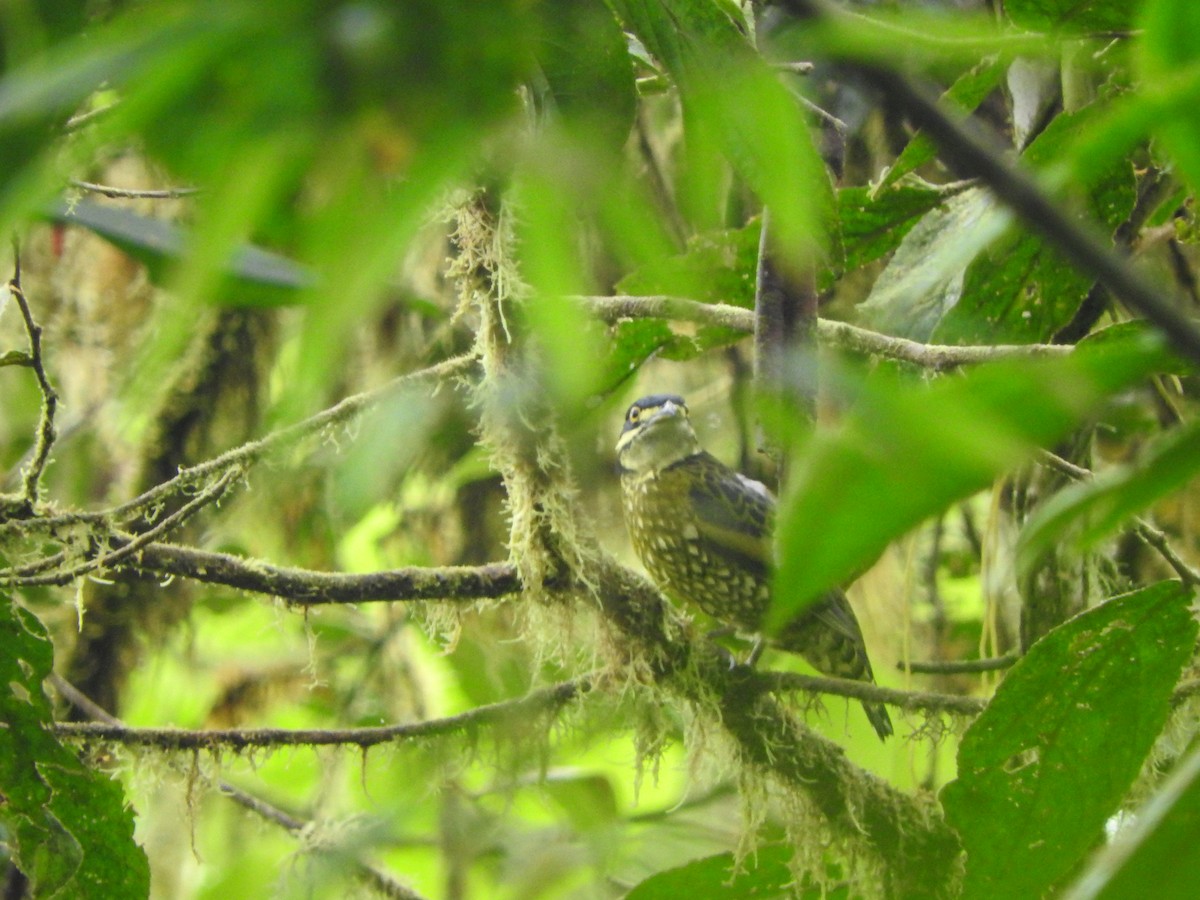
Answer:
[(657, 434)]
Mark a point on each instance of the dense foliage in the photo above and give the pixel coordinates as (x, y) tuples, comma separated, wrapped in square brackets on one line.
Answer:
[(321, 322)]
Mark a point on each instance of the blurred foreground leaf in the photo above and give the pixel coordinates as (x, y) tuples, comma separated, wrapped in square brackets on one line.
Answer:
[(1081, 16), (908, 450), (735, 105), (156, 243), (1051, 757), (1172, 44)]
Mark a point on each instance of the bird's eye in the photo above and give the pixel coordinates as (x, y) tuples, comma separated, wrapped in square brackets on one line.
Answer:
[(634, 414)]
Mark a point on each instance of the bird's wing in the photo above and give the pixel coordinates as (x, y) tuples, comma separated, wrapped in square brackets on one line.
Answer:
[(734, 514), (834, 611), (736, 517)]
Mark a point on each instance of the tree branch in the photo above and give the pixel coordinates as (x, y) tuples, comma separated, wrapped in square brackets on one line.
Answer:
[(831, 333), (32, 476), (117, 193), (129, 544), (785, 327), (958, 666), (907, 833), (306, 587), (382, 882), (927, 701), (1142, 530), (548, 699), (247, 454)]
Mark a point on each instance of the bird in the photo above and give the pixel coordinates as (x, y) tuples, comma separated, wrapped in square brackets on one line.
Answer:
[(703, 531)]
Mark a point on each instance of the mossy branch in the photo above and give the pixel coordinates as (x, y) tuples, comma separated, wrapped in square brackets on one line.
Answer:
[(381, 881), (548, 700), (906, 833), (243, 456), (26, 504), (841, 335), (306, 587)]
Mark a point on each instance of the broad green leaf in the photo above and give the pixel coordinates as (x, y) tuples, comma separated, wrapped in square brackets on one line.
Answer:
[(908, 450), (967, 92), (1021, 290), (1127, 120), (269, 277), (736, 105), (1156, 846), (763, 876), (1049, 760), (1171, 43), (588, 70), (1088, 511), (923, 279), (873, 223), (68, 827), (715, 267), (1073, 15)]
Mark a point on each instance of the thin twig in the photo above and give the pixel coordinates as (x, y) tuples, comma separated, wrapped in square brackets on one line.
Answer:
[(958, 666), (134, 194), (548, 699), (85, 118), (31, 487), (861, 690), (387, 885), (251, 452), (131, 544), (1157, 540)]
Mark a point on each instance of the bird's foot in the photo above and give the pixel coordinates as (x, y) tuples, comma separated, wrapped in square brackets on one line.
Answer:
[(756, 652), (726, 654)]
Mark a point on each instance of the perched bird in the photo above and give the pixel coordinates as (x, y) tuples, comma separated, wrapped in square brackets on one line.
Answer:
[(703, 531)]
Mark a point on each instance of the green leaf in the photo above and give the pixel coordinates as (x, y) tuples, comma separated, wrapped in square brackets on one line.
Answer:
[(736, 105), (583, 54), (1171, 43), (157, 244), (1049, 760), (69, 830), (1073, 15), (634, 342), (716, 267), (1021, 290), (1155, 847), (763, 876), (923, 279), (968, 91), (874, 222), (1088, 511), (908, 450)]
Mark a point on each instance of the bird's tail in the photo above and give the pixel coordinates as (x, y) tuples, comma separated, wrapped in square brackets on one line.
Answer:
[(828, 636), (880, 720)]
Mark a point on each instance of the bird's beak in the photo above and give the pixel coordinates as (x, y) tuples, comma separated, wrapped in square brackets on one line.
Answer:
[(670, 409)]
